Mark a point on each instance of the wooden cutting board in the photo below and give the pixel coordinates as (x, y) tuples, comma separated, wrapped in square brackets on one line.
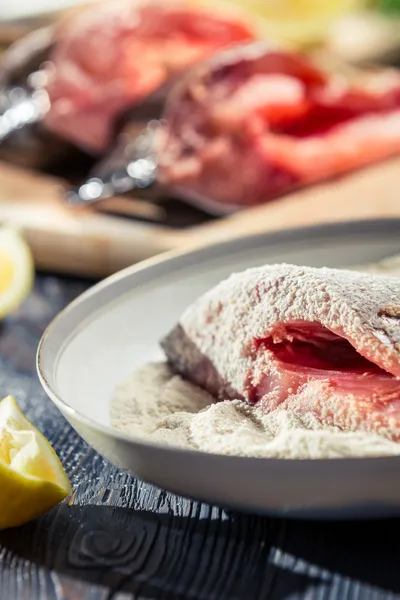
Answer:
[(90, 243)]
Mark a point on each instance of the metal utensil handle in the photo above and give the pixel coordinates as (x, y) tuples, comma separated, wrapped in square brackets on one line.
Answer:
[(20, 107), (137, 169)]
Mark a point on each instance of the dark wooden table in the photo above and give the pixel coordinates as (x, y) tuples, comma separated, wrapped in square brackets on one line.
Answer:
[(119, 538)]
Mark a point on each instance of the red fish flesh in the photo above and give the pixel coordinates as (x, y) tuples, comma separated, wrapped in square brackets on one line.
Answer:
[(111, 55), (322, 342), (254, 122)]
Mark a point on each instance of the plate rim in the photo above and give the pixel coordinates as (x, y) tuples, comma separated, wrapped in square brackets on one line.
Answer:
[(361, 226)]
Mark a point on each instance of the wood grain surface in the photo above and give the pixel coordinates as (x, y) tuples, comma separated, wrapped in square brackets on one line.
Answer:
[(90, 243), (121, 539)]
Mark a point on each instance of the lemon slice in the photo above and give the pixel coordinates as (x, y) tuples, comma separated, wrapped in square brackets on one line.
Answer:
[(16, 270), (296, 21), (32, 479)]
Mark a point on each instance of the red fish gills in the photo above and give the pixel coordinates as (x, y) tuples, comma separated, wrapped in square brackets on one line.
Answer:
[(322, 342)]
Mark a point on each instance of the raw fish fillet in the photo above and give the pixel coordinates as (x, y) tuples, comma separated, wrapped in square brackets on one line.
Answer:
[(322, 342), (111, 55), (253, 123)]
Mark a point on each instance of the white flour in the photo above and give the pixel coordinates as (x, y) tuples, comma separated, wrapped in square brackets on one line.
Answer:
[(160, 406)]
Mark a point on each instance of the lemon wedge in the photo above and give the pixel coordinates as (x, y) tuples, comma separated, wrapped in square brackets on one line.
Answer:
[(32, 479), (16, 270), (296, 21)]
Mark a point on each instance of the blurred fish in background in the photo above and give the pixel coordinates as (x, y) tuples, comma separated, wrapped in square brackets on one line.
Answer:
[(75, 76), (81, 91)]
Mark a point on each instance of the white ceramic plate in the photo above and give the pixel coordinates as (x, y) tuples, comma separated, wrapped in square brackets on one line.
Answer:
[(115, 327)]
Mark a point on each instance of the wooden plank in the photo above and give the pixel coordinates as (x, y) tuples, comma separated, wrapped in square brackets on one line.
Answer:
[(73, 241), (88, 242)]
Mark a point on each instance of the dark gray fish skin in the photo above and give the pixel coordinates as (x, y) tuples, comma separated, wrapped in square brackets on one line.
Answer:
[(25, 57)]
